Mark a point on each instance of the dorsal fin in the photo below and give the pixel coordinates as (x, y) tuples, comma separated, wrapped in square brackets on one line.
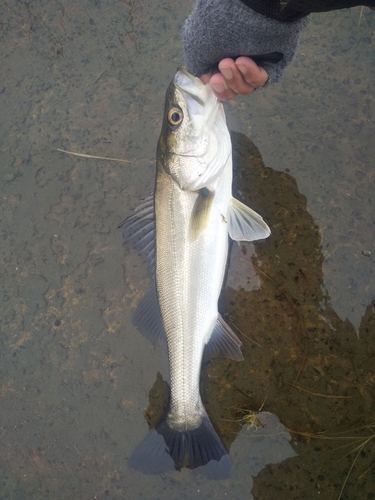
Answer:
[(138, 231)]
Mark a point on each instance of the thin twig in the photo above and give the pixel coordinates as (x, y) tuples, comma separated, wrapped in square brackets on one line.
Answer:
[(83, 155)]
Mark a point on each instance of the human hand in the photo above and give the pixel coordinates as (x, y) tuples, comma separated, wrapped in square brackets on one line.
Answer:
[(239, 77), (217, 30)]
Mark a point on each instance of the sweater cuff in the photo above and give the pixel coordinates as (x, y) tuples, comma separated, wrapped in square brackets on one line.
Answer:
[(217, 29)]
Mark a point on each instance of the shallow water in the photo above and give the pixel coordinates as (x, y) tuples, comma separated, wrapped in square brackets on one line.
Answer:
[(75, 375)]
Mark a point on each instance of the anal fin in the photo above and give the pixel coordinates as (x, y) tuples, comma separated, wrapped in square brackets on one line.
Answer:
[(224, 342), (147, 319)]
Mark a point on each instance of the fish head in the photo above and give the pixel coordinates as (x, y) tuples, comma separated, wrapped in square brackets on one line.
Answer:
[(194, 144)]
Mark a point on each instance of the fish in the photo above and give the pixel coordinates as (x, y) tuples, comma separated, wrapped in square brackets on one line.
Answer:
[(182, 233)]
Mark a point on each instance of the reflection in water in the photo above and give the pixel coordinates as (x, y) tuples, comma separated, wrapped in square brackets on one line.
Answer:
[(242, 277), (308, 361), (262, 443)]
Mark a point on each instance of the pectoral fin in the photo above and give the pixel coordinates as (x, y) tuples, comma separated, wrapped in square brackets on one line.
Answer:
[(245, 224), (201, 212)]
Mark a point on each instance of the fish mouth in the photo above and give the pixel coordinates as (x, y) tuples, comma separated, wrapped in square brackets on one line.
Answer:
[(190, 85)]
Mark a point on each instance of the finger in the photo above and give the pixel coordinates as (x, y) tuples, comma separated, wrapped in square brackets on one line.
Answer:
[(220, 87), (251, 73), (230, 82), (234, 78), (242, 76), (206, 77)]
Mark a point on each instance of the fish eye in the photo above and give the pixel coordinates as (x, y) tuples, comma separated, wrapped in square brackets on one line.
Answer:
[(175, 116)]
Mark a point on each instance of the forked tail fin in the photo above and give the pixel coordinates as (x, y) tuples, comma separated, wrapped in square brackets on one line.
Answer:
[(165, 449)]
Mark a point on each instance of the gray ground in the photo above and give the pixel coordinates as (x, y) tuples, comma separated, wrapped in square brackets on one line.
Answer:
[(75, 375)]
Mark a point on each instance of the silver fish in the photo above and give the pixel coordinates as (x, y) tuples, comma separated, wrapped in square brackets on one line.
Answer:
[(183, 234)]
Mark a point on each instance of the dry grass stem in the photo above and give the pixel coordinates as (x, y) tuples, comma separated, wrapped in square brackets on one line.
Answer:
[(245, 336), (320, 395), (83, 155), (359, 443), (360, 17)]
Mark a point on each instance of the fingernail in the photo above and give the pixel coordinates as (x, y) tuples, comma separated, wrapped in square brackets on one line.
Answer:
[(227, 73), (242, 69), (218, 87)]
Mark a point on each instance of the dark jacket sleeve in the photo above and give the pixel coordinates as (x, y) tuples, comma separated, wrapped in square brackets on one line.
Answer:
[(292, 10)]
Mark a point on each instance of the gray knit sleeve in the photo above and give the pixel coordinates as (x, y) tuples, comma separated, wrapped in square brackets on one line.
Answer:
[(217, 29)]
